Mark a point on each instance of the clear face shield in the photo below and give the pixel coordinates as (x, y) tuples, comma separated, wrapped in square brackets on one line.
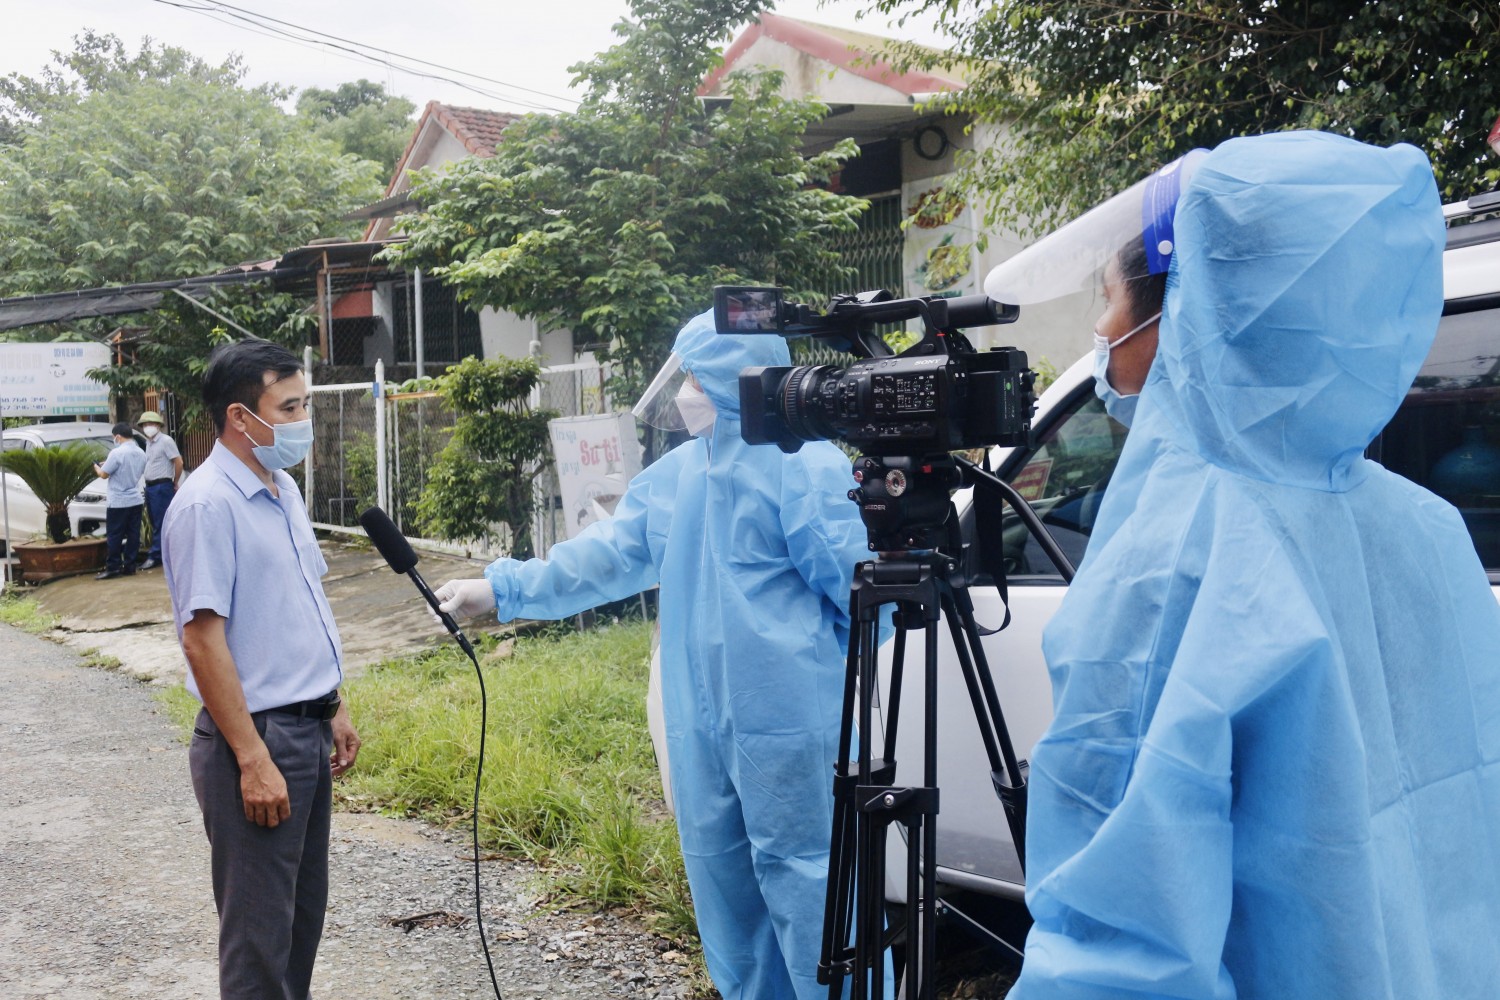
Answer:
[(1125, 239), (658, 406)]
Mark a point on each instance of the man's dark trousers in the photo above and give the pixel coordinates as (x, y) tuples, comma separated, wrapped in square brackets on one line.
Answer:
[(270, 885), (158, 498), (122, 530)]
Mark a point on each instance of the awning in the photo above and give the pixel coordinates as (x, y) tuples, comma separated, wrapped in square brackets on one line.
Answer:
[(59, 307)]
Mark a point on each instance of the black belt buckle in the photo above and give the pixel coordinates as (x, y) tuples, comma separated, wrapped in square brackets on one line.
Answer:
[(323, 709)]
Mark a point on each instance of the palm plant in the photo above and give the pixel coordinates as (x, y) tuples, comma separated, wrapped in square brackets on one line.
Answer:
[(55, 474)]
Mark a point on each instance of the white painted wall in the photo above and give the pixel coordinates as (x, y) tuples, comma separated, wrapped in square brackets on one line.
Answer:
[(506, 335), (807, 75)]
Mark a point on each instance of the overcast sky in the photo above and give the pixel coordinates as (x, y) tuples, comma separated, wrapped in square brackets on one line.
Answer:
[(525, 45)]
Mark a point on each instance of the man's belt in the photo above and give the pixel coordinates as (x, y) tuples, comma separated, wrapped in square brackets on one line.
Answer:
[(158, 482), (324, 708)]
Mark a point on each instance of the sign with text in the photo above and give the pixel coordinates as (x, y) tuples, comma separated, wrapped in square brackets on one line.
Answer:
[(596, 457), (49, 380)]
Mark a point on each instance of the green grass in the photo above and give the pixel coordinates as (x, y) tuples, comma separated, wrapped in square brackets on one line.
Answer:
[(570, 780), (23, 612), (181, 708)]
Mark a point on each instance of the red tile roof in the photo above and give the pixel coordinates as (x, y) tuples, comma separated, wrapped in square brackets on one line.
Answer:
[(478, 129)]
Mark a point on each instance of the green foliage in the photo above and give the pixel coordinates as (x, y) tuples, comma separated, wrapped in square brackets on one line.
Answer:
[(616, 220), (1097, 93), (361, 119), (160, 167), (1046, 374), (127, 168), (56, 474), (570, 779), (484, 475), (100, 63)]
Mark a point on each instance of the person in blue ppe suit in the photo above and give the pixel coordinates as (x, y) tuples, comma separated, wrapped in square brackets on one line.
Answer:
[(754, 551), (1274, 767)]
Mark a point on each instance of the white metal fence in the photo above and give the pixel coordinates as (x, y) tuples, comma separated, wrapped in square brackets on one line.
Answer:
[(374, 448)]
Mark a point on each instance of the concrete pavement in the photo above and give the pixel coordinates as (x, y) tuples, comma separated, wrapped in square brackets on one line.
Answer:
[(379, 613)]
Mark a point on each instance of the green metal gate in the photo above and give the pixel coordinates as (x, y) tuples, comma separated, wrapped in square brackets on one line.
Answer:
[(875, 253)]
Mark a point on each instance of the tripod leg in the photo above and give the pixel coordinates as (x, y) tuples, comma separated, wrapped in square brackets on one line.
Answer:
[(1007, 773), (846, 914)]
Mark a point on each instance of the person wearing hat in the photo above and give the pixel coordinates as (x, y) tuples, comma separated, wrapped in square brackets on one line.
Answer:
[(163, 473), (123, 467)]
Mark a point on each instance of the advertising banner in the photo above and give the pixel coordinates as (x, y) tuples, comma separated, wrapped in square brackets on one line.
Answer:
[(48, 380), (596, 457)]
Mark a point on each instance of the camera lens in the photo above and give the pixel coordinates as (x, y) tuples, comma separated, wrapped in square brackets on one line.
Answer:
[(803, 407)]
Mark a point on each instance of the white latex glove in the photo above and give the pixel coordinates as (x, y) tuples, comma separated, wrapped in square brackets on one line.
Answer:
[(465, 598)]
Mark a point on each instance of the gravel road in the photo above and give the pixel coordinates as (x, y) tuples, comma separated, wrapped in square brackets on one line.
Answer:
[(104, 883)]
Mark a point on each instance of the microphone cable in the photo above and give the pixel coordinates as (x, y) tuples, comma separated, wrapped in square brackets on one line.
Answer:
[(484, 718), (399, 555)]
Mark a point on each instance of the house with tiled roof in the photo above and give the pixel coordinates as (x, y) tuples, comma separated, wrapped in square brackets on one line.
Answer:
[(380, 321), (444, 133), (907, 154)]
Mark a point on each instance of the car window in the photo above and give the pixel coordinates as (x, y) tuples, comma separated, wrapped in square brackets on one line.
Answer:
[(1446, 436), (1063, 476)]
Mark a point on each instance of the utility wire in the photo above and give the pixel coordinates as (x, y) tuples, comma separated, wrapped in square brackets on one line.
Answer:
[(388, 52), (356, 50)]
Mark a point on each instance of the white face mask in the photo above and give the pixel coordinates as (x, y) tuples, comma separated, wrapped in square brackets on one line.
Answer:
[(151, 430), (697, 410), (1122, 408)]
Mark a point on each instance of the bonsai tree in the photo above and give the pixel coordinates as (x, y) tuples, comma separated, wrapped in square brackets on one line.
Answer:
[(55, 474), (483, 476)]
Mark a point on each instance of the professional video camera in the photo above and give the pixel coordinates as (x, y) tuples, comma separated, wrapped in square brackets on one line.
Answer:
[(939, 395), (907, 412)]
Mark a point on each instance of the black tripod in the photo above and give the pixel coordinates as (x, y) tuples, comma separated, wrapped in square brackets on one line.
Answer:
[(924, 570)]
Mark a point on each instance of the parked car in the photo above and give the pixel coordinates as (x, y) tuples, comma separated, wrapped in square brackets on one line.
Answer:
[(1445, 436), (86, 512)]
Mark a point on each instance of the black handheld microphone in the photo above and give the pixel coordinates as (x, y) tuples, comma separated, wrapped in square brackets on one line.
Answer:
[(402, 558)]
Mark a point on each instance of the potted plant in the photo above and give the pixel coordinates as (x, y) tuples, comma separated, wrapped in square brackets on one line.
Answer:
[(56, 474)]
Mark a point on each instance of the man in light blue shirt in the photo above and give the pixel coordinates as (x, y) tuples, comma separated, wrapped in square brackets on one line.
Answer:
[(264, 658), (163, 472), (123, 467)]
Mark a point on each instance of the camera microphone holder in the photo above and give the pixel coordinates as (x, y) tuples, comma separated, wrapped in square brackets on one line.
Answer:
[(925, 587)]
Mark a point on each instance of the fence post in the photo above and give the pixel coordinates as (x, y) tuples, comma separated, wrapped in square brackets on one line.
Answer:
[(382, 489), (419, 329), (307, 470)]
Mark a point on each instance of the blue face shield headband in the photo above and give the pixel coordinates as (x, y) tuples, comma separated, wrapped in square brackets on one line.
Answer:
[(1159, 211)]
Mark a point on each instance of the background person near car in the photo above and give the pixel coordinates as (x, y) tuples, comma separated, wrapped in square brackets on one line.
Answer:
[(163, 473), (123, 468)]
